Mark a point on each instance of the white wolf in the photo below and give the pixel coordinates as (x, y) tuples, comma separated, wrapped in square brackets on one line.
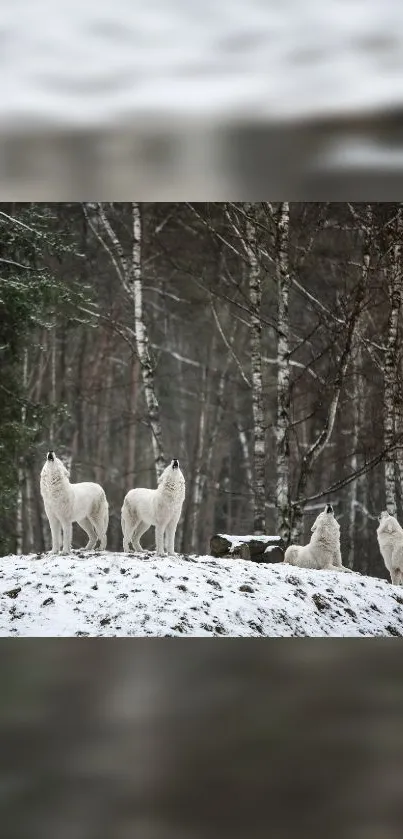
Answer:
[(323, 551), (390, 540), (160, 507), (64, 503)]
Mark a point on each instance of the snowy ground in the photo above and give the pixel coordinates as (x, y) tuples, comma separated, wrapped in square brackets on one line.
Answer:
[(117, 594)]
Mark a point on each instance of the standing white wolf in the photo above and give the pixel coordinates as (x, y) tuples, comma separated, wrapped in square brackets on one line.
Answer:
[(390, 540), (65, 503), (323, 551), (161, 508)]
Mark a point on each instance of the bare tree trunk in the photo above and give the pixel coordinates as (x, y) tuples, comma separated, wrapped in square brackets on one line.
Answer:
[(357, 396), (21, 467), (255, 296), (395, 283), (53, 380), (131, 442), (77, 445), (243, 440), (103, 413), (29, 513), (197, 487), (129, 271), (142, 343), (283, 377), (358, 393)]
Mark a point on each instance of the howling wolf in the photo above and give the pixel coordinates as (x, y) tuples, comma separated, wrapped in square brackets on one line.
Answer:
[(64, 503), (390, 540), (323, 551), (159, 507)]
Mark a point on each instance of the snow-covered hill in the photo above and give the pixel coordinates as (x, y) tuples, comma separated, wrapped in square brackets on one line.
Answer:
[(117, 594)]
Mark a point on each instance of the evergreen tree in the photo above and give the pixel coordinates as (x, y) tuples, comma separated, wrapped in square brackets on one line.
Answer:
[(30, 291)]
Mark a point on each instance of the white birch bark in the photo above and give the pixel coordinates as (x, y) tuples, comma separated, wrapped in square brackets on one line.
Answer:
[(283, 375), (129, 271), (395, 282), (142, 344), (243, 440), (131, 441), (255, 296), (358, 394)]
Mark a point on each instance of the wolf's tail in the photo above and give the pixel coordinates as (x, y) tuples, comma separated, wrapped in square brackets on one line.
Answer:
[(103, 521), (128, 520), (291, 554)]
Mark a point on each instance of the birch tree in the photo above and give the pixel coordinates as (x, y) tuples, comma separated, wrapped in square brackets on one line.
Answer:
[(394, 279), (358, 395), (255, 297), (283, 375), (129, 271)]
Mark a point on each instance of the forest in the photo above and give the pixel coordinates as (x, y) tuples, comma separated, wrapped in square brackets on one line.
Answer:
[(261, 344)]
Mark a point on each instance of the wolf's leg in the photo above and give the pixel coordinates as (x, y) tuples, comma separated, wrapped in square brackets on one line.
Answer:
[(159, 540), (94, 522), (56, 531), (90, 531), (170, 537), (137, 533), (396, 576), (67, 534)]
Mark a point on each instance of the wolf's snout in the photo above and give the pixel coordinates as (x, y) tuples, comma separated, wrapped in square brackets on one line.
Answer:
[(329, 508), (51, 456), (175, 464)]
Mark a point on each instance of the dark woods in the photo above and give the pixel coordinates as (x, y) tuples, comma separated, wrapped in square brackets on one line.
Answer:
[(258, 343)]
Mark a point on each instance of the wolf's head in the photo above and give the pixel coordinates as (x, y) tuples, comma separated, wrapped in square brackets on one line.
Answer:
[(325, 519), (388, 524), (55, 466), (172, 474)]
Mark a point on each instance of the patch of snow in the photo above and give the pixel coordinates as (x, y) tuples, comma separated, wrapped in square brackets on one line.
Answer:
[(117, 594)]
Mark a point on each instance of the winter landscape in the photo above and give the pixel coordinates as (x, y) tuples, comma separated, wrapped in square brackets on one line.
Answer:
[(175, 371)]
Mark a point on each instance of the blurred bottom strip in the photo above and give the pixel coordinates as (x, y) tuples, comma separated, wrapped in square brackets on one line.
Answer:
[(158, 739)]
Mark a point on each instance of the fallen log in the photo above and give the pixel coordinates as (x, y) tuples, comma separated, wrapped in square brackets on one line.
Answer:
[(255, 548)]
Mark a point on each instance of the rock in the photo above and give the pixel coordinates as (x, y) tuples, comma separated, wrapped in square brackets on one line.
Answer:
[(253, 551), (13, 592), (247, 547), (320, 602), (48, 602)]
